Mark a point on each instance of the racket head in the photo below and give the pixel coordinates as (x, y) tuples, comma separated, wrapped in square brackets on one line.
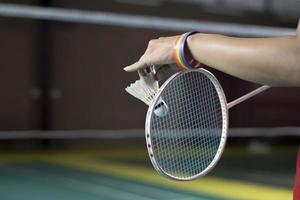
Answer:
[(188, 141)]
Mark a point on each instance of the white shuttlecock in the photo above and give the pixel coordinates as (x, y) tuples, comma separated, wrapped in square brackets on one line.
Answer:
[(145, 90), (161, 109)]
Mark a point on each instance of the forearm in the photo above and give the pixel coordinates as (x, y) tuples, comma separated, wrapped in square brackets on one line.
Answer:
[(272, 61)]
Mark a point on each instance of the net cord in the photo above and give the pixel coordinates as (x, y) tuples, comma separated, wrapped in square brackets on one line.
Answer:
[(138, 21)]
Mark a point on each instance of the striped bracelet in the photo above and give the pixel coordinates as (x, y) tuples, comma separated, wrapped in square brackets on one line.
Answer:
[(179, 53)]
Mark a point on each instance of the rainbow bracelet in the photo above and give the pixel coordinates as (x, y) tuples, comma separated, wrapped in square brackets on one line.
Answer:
[(179, 53)]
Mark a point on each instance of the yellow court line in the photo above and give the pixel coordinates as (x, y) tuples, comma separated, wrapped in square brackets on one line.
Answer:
[(214, 186)]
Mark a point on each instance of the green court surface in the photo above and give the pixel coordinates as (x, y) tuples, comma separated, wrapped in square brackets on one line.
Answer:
[(127, 174)]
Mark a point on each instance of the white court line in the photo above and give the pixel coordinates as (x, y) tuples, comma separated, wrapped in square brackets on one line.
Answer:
[(138, 21)]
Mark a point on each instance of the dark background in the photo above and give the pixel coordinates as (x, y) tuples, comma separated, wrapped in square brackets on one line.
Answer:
[(57, 75), (66, 122)]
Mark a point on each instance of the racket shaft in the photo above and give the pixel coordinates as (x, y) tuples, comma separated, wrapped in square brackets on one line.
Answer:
[(247, 96)]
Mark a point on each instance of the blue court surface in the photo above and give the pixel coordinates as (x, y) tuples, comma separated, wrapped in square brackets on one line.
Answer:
[(126, 174)]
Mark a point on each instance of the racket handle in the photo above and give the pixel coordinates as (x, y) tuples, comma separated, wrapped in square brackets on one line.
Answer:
[(247, 96)]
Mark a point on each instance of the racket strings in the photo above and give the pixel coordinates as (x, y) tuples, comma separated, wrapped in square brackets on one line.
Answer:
[(179, 146), (184, 120), (185, 142)]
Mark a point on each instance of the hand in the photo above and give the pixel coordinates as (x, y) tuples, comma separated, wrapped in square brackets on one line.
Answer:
[(159, 52)]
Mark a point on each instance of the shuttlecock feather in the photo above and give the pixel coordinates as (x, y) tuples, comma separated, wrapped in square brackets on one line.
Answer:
[(144, 89), (147, 86)]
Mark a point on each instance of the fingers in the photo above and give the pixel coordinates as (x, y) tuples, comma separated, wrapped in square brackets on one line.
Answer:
[(141, 64), (138, 65), (158, 52), (134, 67)]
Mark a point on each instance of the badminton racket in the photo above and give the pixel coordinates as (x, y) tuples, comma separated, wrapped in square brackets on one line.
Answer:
[(188, 140)]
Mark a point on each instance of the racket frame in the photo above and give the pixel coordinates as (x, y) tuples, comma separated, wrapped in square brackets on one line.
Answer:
[(225, 118)]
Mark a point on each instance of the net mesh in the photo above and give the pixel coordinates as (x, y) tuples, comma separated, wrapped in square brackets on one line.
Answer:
[(186, 139)]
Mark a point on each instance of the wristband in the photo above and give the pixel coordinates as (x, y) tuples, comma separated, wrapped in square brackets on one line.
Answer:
[(179, 53)]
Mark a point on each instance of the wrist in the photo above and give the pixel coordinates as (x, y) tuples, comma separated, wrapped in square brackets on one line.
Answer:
[(182, 53), (191, 41)]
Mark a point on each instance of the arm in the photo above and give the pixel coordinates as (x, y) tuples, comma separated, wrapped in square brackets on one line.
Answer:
[(272, 61)]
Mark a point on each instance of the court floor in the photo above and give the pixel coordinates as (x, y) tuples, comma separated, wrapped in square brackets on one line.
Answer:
[(126, 174)]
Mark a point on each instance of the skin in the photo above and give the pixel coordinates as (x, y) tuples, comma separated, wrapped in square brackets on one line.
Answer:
[(273, 61)]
